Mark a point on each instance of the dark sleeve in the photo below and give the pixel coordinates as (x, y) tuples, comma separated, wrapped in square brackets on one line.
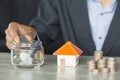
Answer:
[(46, 23)]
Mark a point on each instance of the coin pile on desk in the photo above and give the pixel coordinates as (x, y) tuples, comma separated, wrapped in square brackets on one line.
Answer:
[(100, 64)]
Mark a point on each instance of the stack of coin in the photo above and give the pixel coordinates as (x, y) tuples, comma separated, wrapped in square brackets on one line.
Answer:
[(101, 63), (91, 65), (111, 64), (98, 55)]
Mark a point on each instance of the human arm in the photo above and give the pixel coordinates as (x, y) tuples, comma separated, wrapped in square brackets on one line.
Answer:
[(46, 24)]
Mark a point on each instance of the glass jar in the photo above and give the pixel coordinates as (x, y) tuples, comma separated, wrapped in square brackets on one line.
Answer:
[(28, 55)]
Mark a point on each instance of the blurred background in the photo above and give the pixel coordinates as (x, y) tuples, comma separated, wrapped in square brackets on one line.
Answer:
[(21, 11)]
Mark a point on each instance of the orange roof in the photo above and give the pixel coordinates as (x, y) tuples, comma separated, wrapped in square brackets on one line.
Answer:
[(68, 49)]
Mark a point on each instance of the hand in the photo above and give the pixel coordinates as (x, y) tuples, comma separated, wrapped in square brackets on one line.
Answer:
[(15, 31)]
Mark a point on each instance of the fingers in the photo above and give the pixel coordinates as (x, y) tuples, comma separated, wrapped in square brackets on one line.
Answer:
[(11, 45), (11, 34)]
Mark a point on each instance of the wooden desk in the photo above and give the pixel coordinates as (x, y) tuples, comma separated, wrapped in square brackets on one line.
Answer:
[(50, 71)]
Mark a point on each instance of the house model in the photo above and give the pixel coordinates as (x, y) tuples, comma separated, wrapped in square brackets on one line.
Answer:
[(68, 54)]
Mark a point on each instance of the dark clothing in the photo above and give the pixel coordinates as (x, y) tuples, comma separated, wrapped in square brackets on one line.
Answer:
[(68, 20)]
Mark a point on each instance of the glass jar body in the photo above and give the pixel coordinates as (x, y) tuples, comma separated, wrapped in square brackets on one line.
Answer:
[(28, 55)]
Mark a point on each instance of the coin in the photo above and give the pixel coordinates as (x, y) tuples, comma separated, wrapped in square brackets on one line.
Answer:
[(105, 70), (95, 71)]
